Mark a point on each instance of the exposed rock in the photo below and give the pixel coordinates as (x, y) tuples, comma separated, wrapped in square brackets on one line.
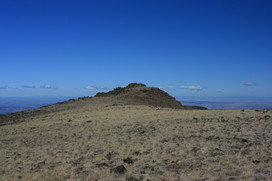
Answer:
[(119, 170), (267, 117), (132, 179), (256, 161), (128, 160)]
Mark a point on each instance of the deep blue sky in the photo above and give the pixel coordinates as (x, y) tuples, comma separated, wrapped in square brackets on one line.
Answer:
[(76, 48)]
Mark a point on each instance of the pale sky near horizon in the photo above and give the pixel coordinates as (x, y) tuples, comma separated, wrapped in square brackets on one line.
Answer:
[(188, 48)]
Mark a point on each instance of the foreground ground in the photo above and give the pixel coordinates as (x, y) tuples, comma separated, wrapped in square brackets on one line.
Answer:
[(118, 142)]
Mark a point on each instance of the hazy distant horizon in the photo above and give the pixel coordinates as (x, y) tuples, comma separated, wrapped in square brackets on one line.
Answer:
[(230, 103), (15, 104)]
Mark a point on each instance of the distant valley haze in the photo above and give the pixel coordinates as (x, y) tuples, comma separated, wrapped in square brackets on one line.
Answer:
[(15, 104)]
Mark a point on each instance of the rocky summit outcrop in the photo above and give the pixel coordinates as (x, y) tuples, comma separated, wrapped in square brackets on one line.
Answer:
[(140, 94)]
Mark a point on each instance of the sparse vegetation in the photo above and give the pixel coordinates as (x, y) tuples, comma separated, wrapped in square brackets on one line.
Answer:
[(133, 85), (84, 98), (105, 142), (108, 138), (120, 90), (114, 92)]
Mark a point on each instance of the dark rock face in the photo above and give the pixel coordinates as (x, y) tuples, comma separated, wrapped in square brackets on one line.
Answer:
[(140, 94), (128, 160), (132, 179), (119, 170)]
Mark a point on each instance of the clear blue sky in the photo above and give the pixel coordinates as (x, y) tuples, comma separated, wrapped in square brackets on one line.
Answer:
[(76, 48)]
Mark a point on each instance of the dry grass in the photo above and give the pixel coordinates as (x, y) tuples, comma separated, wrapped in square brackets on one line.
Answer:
[(88, 142)]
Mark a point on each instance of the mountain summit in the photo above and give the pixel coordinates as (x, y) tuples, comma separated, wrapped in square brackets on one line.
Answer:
[(140, 94)]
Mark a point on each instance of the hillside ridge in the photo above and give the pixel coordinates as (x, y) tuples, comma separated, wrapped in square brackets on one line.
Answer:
[(140, 94), (132, 94)]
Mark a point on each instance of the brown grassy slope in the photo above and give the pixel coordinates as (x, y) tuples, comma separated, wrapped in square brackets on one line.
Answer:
[(139, 94), (88, 141)]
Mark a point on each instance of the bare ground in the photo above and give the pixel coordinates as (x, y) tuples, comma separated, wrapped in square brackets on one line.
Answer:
[(133, 142)]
